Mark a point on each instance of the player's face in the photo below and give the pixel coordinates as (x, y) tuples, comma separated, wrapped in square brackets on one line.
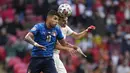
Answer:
[(63, 21), (54, 21)]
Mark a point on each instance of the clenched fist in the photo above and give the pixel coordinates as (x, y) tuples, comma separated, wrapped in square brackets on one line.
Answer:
[(90, 28)]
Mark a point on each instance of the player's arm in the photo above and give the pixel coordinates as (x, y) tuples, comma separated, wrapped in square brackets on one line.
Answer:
[(65, 48), (60, 47), (79, 35), (83, 33), (30, 37), (62, 41), (63, 45)]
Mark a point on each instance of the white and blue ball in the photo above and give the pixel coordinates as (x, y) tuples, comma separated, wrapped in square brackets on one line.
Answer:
[(64, 10)]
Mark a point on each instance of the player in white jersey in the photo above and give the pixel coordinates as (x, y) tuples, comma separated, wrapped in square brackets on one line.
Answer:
[(67, 31)]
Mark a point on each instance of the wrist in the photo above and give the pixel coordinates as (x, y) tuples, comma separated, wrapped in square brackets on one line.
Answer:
[(87, 30), (75, 47), (66, 48), (35, 44)]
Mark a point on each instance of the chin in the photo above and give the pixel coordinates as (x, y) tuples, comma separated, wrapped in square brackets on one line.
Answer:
[(53, 26)]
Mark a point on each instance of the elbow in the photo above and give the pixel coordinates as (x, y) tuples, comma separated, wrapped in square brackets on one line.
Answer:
[(58, 47), (77, 37), (25, 38)]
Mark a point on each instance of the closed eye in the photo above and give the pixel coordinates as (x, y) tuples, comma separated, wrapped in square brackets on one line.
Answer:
[(56, 18)]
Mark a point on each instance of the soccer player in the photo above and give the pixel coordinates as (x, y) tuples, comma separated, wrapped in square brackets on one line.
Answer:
[(44, 37), (67, 31)]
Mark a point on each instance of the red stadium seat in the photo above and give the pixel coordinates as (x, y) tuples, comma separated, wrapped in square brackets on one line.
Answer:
[(26, 59), (22, 70), (19, 66), (2, 53), (14, 61)]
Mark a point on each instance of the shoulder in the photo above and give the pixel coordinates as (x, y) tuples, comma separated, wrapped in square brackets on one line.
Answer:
[(57, 27), (39, 25), (68, 28)]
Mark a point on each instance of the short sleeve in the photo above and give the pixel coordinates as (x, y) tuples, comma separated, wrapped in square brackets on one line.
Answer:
[(59, 34), (35, 29), (69, 30)]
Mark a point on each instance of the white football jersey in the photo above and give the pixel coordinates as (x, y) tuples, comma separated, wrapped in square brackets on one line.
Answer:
[(66, 31)]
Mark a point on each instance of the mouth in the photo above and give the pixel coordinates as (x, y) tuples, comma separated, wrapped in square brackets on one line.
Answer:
[(63, 25)]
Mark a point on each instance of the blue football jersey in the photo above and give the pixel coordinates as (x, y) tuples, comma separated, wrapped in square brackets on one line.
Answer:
[(46, 37)]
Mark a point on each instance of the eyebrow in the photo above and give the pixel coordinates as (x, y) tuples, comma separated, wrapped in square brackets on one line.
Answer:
[(56, 18)]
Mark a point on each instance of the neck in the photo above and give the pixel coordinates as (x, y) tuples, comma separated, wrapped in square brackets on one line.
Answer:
[(47, 24)]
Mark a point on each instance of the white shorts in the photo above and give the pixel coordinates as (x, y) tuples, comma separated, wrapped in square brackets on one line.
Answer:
[(58, 64)]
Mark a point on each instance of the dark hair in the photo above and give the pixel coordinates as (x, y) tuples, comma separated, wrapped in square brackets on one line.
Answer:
[(52, 12)]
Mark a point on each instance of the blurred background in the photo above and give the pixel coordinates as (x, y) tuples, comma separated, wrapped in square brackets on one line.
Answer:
[(107, 47)]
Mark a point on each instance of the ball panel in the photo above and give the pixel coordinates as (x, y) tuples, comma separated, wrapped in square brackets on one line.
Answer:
[(64, 10)]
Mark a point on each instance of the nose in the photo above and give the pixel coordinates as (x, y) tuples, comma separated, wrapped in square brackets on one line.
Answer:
[(65, 22)]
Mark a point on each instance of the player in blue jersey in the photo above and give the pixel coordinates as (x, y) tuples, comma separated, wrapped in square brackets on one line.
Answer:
[(44, 37)]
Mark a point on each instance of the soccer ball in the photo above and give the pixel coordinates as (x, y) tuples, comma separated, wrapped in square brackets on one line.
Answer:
[(64, 10)]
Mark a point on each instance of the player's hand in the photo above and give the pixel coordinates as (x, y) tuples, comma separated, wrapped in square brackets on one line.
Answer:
[(72, 51), (40, 46), (90, 28)]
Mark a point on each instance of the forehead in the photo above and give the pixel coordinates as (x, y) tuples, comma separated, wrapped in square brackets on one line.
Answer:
[(55, 16), (63, 18)]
